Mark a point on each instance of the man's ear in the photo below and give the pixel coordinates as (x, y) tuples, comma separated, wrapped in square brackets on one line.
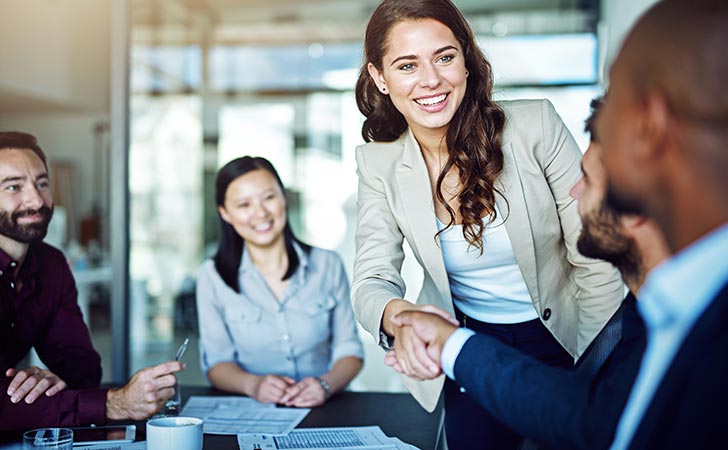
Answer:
[(223, 213), (632, 224), (631, 220), (657, 121)]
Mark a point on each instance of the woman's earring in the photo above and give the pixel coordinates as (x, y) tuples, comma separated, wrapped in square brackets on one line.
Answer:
[(384, 90), (467, 73)]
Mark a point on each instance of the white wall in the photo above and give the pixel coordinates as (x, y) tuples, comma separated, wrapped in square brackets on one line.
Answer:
[(618, 17), (54, 56), (57, 51)]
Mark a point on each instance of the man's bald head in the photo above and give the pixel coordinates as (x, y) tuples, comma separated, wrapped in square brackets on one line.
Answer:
[(664, 126), (678, 48)]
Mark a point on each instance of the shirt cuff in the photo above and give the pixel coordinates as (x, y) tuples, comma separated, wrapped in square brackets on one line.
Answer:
[(92, 406), (451, 350), (385, 341)]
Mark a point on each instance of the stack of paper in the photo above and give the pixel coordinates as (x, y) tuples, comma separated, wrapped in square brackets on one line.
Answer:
[(237, 415), (370, 438)]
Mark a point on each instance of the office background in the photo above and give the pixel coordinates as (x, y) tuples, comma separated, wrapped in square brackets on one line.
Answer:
[(137, 103)]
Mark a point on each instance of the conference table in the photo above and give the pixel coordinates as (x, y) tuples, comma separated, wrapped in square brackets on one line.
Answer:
[(398, 415)]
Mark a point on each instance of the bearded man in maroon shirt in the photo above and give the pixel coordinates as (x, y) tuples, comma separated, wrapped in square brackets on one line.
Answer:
[(39, 309)]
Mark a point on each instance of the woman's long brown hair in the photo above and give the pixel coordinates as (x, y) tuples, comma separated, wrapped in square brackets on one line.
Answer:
[(474, 134)]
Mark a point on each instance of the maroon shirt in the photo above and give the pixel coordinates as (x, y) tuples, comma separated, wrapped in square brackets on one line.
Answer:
[(45, 315)]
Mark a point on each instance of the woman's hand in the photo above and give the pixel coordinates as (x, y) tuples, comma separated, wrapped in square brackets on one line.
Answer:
[(306, 393), (271, 388), (410, 355), (432, 329), (31, 383)]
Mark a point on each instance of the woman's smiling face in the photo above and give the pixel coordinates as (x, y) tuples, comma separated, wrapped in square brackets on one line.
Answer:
[(255, 206), (423, 72)]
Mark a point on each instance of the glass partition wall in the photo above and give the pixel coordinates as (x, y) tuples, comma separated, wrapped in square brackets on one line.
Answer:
[(200, 98), (182, 132)]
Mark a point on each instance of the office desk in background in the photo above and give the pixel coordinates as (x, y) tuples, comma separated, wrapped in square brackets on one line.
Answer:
[(85, 279), (398, 415)]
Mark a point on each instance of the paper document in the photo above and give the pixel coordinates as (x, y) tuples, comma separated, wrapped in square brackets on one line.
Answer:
[(370, 438), (141, 445), (238, 415)]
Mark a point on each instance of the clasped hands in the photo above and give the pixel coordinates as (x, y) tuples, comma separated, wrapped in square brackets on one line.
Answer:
[(283, 390), (420, 333)]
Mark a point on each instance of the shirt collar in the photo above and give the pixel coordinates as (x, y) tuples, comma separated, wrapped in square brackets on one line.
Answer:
[(30, 264), (5, 261), (246, 263), (679, 289)]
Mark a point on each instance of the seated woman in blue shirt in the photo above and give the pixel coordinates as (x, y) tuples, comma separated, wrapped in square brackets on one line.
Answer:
[(275, 319)]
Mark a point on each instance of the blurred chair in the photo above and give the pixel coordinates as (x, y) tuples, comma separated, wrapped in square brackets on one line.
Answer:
[(185, 308)]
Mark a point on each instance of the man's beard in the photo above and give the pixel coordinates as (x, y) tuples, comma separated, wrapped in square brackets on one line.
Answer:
[(28, 233), (601, 238)]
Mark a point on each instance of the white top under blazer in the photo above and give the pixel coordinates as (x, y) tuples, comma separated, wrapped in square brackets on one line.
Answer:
[(488, 285)]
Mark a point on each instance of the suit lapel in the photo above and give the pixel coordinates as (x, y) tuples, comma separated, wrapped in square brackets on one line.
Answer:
[(518, 224), (415, 191)]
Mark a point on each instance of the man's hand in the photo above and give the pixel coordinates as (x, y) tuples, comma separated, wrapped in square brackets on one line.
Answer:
[(410, 355), (144, 394), (431, 329), (271, 388), (31, 383), (307, 393)]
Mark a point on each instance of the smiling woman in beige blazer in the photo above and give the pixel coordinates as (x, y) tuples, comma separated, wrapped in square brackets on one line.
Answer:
[(441, 150)]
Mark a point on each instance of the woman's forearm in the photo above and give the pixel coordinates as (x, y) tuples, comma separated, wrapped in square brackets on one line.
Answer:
[(343, 371), (394, 307), (230, 377)]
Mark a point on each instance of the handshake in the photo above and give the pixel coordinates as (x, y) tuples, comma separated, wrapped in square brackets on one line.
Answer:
[(420, 333)]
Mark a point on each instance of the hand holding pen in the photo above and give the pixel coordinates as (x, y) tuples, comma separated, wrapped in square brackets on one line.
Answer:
[(182, 349)]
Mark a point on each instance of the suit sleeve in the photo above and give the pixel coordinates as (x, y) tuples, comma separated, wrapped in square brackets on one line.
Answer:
[(68, 408), (379, 254), (600, 287), (546, 404), (66, 348)]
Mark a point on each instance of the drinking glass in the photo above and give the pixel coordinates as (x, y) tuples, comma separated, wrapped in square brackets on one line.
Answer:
[(173, 405), (48, 439)]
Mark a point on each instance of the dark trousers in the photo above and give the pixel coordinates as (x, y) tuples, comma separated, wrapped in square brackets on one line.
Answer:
[(468, 426)]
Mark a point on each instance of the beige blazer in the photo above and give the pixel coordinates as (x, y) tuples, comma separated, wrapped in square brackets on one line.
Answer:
[(574, 295)]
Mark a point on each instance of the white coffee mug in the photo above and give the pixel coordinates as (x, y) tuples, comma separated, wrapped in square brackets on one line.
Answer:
[(174, 433)]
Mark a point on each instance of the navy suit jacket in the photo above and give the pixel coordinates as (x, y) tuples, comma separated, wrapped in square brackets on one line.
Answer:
[(690, 408), (557, 408)]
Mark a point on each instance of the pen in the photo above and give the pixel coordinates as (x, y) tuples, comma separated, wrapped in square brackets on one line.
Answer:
[(181, 350)]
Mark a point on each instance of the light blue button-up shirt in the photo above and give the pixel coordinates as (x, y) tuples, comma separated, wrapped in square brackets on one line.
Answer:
[(674, 296), (302, 334)]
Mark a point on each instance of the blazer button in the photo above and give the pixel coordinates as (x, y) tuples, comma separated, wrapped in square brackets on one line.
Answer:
[(547, 314)]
